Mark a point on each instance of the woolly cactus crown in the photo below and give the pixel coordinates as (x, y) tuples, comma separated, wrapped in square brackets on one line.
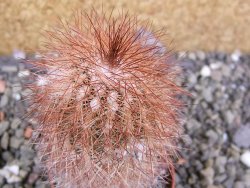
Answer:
[(106, 103)]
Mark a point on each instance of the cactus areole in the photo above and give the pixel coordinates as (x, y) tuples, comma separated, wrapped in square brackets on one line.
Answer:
[(106, 104)]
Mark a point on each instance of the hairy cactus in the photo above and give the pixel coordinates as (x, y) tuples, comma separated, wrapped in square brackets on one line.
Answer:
[(106, 102)]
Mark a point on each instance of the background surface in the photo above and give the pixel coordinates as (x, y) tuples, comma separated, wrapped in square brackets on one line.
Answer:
[(208, 25)]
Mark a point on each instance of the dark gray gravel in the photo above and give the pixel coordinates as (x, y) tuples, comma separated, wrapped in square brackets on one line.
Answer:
[(216, 140)]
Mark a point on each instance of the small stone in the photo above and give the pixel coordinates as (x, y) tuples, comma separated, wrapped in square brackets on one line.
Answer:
[(5, 140), (239, 184), (2, 86), (220, 178), (246, 179), (28, 132), (216, 75), (229, 116), (3, 127), (235, 56), (1, 181), (19, 133), (193, 125), (226, 70), (32, 178), (17, 54), (23, 73), (212, 135), (15, 142), (215, 65), (245, 158), (192, 56), (220, 163), (2, 116), (17, 96), (14, 179), (201, 55), (8, 186), (207, 94), (7, 156), (26, 152), (23, 173), (208, 175), (15, 123), (9, 68), (14, 169), (192, 79), (4, 101), (10, 172), (205, 71), (241, 137)]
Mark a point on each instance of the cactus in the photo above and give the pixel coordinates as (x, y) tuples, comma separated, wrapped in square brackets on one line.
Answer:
[(106, 103)]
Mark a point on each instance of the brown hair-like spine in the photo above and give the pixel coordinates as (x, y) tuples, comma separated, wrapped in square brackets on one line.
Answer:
[(106, 103)]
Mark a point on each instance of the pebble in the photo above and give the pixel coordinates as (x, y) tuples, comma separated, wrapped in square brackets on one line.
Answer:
[(208, 175), (241, 137), (207, 94), (229, 116), (205, 71), (245, 158), (15, 142), (4, 101), (27, 152), (15, 123), (5, 141), (216, 65), (3, 127), (10, 172), (9, 68), (235, 56), (18, 54), (19, 133), (220, 164), (28, 132), (2, 86)]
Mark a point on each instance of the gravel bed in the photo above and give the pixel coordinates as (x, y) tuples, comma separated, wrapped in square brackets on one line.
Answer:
[(215, 151)]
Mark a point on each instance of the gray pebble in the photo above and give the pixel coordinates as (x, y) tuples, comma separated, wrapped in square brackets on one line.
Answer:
[(208, 175), (5, 141), (15, 142), (3, 127), (4, 101), (7, 156), (27, 152), (15, 123), (241, 136), (239, 184), (207, 94), (1, 181), (220, 163), (193, 125), (229, 116), (9, 68), (19, 133), (212, 135)]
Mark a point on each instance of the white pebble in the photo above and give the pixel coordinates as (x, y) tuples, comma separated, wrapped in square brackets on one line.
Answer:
[(245, 158), (23, 73), (216, 65), (14, 169), (235, 56), (205, 71), (19, 54)]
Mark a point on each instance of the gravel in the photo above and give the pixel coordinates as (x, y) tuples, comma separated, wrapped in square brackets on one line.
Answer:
[(216, 140)]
